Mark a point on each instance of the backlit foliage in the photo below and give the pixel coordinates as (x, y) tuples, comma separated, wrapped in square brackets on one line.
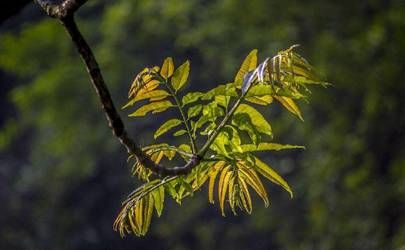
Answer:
[(222, 126)]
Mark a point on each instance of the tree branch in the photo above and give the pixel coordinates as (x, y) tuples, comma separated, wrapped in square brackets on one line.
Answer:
[(64, 12)]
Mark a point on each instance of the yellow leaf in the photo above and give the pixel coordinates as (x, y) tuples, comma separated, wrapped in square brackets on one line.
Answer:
[(223, 186), (155, 107), (154, 95), (167, 68), (231, 193), (139, 215), (290, 105), (245, 195), (261, 100), (272, 175), (253, 180), (213, 175), (132, 222), (248, 64)]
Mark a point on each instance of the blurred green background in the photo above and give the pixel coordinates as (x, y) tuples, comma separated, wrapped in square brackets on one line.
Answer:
[(63, 175)]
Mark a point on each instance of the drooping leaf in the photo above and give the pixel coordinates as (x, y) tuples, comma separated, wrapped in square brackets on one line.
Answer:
[(167, 68), (159, 198), (272, 175), (216, 168), (248, 64), (148, 212), (154, 107), (290, 105), (245, 195), (167, 126), (222, 186), (180, 76), (256, 118), (254, 181), (232, 193)]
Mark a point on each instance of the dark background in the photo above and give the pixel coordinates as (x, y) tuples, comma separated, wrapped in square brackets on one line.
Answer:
[(63, 174)]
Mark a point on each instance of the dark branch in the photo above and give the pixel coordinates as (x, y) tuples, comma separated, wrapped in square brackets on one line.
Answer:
[(64, 12), (61, 10)]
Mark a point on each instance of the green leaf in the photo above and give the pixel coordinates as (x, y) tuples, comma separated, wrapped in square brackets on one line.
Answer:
[(248, 64), (243, 122), (256, 118), (191, 97), (148, 212), (185, 148), (167, 68), (222, 100), (194, 111), (166, 127), (260, 90), (208, 130), (180, 132), (219, 144), (272, 175), (180, 76), (159, 198), (210, 112), (224, 89), (154, 107), (265, 146)]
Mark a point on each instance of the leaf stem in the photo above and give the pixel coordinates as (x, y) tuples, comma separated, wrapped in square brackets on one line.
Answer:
[(185, 121)]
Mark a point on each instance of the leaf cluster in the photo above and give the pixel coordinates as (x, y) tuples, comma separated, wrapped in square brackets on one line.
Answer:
[(225, 122)]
